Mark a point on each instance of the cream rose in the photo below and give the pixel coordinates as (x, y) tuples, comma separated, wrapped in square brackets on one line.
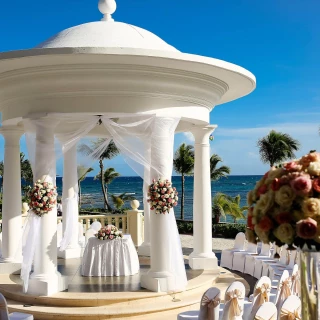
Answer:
[(250, 198), (284, 196), (274, 173), (314, 168), (285, 233), (262, 235), (265, 202), (311, 207)]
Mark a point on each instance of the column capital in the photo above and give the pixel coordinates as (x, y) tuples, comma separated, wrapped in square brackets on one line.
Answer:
[(12, 135), (201, 133)]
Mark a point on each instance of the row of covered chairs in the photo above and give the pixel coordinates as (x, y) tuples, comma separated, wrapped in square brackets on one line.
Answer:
[(4, 314), (266, 303)]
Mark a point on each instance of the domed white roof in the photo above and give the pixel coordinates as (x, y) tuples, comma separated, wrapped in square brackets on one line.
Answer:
[(107, 34)]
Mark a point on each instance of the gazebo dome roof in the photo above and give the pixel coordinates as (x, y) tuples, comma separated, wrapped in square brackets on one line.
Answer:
[(107, 34)]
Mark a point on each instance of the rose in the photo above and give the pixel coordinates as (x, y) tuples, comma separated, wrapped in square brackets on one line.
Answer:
[(274, 173), (250, 236), (111, 237), (284, 196), (283, 217), (249, 222), (285, 233), (307, 159), (301, 185), (292, 166), (262, 235), (311, 207), (316, 185), (307, 228), (262, 190), (276, 184), (166, 196), (314, 168), (265, 224), (265, 202)]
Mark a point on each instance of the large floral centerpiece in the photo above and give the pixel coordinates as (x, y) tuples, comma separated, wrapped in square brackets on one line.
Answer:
[(162, 196), (42, 197), (109, 232), (285, 209), (285, 204)]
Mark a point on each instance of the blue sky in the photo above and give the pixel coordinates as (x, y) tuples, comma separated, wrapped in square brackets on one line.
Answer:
[(277, 40)]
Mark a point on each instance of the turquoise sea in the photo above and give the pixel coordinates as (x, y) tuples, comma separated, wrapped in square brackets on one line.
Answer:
[(233, 185)]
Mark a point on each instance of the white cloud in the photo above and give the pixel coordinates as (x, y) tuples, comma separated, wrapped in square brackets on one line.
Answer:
[(188, 137)]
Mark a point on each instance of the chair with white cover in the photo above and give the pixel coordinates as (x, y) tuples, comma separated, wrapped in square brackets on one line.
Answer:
[(249, 264), (283, 290), (291, 309), (209, 307), (267, 311), (81, 237), (240, 257), (227, 254), (286, 261), (275, 259), (259, 263), (295, 281), (90, 233), (4, 315), (95, 226), (233, 302), (261, 294)]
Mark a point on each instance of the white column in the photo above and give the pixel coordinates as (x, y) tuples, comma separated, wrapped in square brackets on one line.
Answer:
[(144, 249), (11, 207), (45, 279), (70, 192), (202, 256), (161, 151)]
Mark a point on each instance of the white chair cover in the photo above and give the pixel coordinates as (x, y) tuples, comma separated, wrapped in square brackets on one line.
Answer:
[(233, 302), (227, 255), (261, 295), (3, 308), (239, 258), (90, 233), (209, 307), (295, 281), (250, 261), (95, 226), (267, 311), (291, 309), (283, 290)]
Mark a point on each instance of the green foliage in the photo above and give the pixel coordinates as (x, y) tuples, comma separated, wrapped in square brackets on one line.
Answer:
[(228, 230), (26, 170), (223, 204), (109, 175), (277, 147), (185, 227), (183, 163), (217, 173), (120, 200), (82, 172)]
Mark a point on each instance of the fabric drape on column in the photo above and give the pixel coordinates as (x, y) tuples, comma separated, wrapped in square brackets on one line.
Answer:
[(132, 137)]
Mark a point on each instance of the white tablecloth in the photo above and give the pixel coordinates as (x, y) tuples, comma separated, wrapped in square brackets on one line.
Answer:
[(110, 258)]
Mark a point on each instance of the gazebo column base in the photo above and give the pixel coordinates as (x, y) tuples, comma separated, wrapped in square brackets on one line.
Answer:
[(46, 285), (7, 267), (157, 282), (70, 253), (203, 263), (144, 249)]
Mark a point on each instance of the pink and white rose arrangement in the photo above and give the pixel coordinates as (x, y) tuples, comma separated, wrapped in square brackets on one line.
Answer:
[(42, 197), (162, 196), (109, 232), (285, 205)]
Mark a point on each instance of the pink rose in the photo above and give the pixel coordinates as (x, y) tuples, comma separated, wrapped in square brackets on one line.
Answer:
[(276, 184), (161, 184), (111, 237), (301, 185), (307, 229), (283, 217), (108, 231), (170, 200), (292, 166)]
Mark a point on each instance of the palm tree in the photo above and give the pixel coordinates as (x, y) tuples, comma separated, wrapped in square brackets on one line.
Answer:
[(1, 174), (119, 200), (217, 173), (277, 147), (82, 174), (109, 152), (224, 204), (26, 170), (109, 175), (183, 163)]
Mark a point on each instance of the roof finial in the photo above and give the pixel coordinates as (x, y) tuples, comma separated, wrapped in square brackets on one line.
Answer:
[(107, 8)]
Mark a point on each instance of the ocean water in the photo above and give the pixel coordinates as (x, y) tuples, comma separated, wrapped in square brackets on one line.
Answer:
[(233, 185)]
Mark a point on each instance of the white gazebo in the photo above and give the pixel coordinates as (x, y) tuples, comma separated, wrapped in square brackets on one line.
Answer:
[(99, 69)]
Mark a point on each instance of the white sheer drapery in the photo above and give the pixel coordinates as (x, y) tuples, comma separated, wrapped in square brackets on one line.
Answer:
[(135, 136)]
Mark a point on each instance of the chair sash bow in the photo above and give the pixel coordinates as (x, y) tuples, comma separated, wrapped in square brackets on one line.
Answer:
[(262, 293), (288, 315), (233, 297), (273, 317), (285, 292), (295, 287), (211, 304)]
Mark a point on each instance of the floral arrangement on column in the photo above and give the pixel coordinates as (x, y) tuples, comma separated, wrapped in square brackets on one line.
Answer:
[(162, 196), (109, 232), (285, 209), (42, 197)]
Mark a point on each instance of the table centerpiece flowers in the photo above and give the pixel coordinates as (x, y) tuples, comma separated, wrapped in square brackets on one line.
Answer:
[(284, 208), (109, 232), (42, 197), (162, 196)]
